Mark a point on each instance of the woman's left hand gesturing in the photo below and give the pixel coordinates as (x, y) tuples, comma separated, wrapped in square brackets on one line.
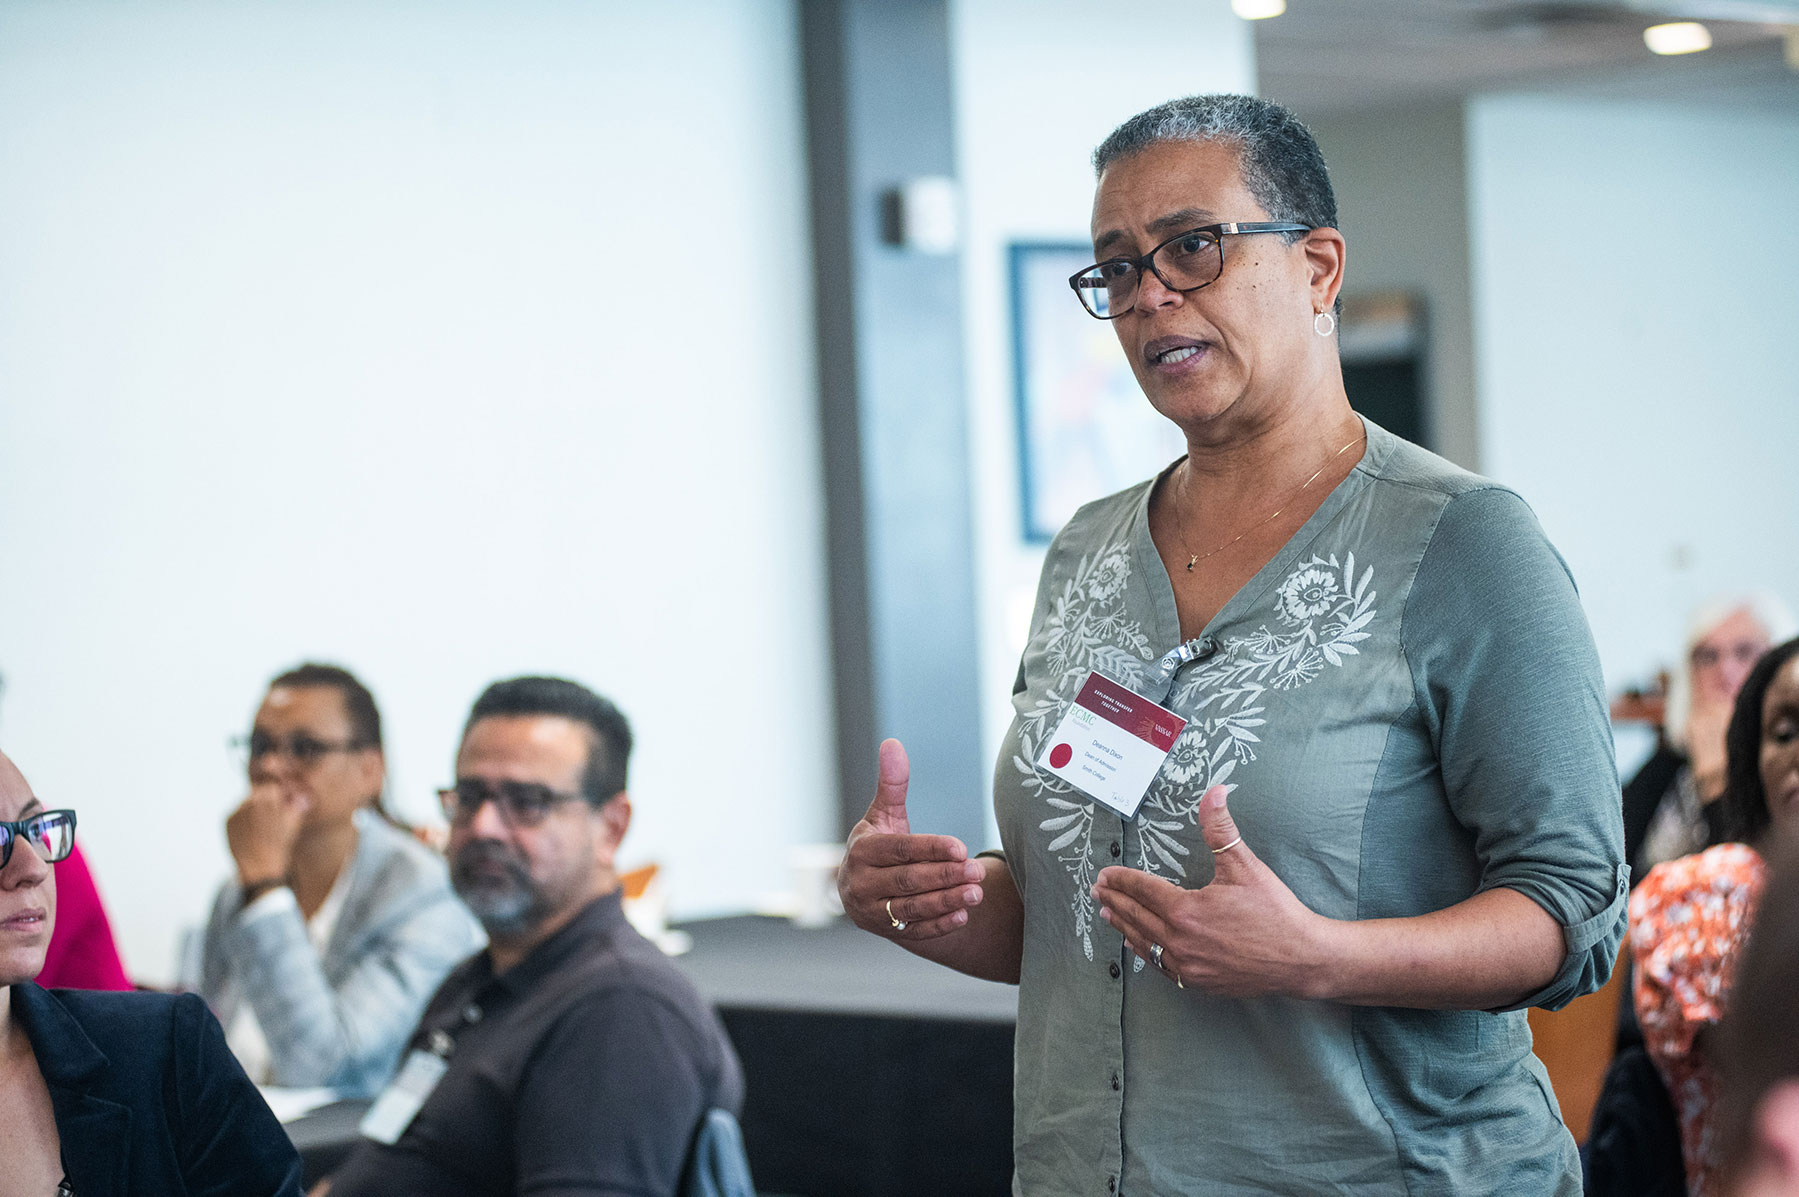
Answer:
[(1243, 935)]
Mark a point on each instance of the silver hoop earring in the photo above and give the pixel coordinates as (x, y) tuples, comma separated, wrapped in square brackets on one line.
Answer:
[(1324, 324)]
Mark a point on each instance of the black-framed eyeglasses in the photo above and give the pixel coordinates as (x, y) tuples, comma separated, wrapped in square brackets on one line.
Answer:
[(520, 803), (52, 833), (1185, 262), (299, 747)]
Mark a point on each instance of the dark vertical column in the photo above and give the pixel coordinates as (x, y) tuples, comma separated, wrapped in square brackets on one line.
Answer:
[(879, 111)]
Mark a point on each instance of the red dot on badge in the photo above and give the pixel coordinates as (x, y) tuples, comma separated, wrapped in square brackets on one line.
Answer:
[(1060, 755)]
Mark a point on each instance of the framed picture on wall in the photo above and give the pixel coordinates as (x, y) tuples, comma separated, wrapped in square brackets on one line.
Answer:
[(1084, 427)]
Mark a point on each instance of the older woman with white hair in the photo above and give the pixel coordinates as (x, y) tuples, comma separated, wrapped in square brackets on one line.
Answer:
[(1309, 791), (1669, 805)]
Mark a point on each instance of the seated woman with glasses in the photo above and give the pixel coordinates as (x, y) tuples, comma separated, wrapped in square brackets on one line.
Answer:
[(1670, 806), (323, 948), (112, 1094), (1309, 790), (1690, 917)]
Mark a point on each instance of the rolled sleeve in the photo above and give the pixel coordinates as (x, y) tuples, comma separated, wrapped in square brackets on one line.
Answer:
[(1592, 948), (1506, 673)]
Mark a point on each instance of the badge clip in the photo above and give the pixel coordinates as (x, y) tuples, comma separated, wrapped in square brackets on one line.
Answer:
[(1197, 649)]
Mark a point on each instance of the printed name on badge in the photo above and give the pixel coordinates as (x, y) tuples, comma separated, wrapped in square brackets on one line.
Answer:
[(1111, 744)]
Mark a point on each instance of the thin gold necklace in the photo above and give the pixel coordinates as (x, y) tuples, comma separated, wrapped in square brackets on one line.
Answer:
[(1198, 557)]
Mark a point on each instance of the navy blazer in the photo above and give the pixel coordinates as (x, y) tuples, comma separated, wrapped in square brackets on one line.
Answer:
[(148, 1098)]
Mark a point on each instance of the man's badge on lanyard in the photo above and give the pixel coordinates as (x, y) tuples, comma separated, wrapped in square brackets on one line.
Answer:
[(1111, 744), (399, 1103)]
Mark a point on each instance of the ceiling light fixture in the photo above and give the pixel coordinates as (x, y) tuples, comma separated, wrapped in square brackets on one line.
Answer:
[(1258, 10), (1678, 37)]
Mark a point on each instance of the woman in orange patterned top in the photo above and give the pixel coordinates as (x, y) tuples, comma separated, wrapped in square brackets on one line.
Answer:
[(1689, 917)]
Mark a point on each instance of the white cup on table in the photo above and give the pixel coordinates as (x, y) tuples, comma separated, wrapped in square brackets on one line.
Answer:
[(814, 873)]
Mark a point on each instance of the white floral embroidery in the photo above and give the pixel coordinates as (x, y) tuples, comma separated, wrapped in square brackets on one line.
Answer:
[(1322, 608), (1309, 592), (1086, 629)]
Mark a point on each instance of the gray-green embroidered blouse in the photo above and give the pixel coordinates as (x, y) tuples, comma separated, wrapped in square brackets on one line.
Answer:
[(1408, 705)]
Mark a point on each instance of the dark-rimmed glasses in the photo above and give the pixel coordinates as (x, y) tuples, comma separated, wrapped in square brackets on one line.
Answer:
[(1185, 262), (520, 803), (52, 833), (300, 748)]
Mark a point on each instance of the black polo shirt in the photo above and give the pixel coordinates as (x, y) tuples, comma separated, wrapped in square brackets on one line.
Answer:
[(584, 1069)]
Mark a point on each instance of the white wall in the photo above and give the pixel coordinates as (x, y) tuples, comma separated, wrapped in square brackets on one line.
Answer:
[(1635, 348), (446, 341), (1032, 104), (1401, 187)]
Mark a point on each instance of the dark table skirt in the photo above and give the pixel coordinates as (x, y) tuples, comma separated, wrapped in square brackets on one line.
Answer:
[(871, 1073)]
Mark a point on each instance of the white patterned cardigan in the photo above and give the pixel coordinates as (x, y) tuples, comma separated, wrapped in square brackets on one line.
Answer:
[(337, 1019)]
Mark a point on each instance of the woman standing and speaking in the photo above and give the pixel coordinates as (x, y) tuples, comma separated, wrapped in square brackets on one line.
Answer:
[(1310, 791)]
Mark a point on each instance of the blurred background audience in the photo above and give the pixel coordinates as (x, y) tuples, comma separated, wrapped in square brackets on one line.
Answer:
[(1690, 916)]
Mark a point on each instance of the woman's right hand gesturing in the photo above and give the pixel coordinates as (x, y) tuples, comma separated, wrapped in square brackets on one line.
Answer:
[(900, 885)]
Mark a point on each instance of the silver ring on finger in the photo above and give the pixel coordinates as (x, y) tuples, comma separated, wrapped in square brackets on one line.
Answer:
[(898, 923), (1155, 956)]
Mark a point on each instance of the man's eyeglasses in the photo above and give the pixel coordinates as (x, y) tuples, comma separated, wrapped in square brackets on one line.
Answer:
[(520, 803), (300, 748), (51, 833), (1184, 262)]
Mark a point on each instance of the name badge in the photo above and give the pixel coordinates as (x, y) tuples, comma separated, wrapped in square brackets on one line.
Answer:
[(399, 1103), (1111, 744)]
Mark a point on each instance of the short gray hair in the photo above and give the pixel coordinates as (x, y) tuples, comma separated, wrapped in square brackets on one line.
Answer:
[(1279, 159)]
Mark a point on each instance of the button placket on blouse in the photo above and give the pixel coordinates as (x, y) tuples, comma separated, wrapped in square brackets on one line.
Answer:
[(1109, 829)]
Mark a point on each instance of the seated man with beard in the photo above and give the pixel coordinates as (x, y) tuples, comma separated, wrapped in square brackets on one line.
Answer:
[(570, 1056)]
